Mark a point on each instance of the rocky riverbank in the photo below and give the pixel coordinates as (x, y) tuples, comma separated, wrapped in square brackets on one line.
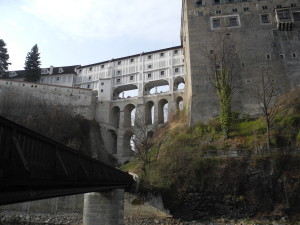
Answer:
[(12, 218)]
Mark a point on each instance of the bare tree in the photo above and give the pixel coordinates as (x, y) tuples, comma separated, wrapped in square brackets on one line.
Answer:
[(222, 71), (267, 94), (142, 139)]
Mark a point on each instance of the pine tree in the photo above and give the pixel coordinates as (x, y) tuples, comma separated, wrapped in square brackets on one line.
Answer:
[(32, 65), (3, 58)]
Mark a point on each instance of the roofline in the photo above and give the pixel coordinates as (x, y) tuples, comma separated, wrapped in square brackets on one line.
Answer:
[(131, 56), (52, 85), (43, 68)]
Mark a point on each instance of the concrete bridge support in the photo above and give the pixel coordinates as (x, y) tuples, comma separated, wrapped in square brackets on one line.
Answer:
[(105, 208)]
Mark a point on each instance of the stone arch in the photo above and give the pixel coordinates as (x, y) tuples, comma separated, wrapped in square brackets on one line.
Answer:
[(126, 91), (149, 113), (115, 117), (179, 83), (163, 111), (128, 115), (159, 86), (179, 103)]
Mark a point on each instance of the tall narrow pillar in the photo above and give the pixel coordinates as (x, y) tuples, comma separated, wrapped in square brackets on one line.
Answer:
[(105, 208)]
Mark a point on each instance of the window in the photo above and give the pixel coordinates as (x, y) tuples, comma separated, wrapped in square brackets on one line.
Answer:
[(228, 35), (199, 13), (217, 2), (264, 7), (296, 16), (218, 11), (294, 55), (211, 52), (80, 71), (284, 14), (90, 77), (101, 90), (265, 18), (176, 70), (149, 75), (246, 9), (118, 80), (131, 77), (216, 23), (199, 3), (131, 60), (281, 56), (90, 69), (162, 54), (268, 56), (233, 22), (275, 33), (119, 72), (149, 56), (278, 6), (149, 66), (57, 78), (293, 5), (102, 83), (102, 66), (162, 73), (234, 10), (175, 52), (119, 63), (88, 86)]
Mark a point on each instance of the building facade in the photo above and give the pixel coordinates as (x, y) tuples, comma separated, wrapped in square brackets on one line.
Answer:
[(266, 36)]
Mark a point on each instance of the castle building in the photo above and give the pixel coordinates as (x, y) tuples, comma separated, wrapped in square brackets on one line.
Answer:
[(265, 35), (134, 76), (61, 76)]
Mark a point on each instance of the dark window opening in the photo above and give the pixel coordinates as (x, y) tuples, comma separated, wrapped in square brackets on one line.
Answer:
[(162, 73), (246, 9), (233, 22), (234, 10), (149, 75), (216, 23), (284, 14), (131, 77), (296, 16), (265, 18), (264, 7), (199, 3), (217, 2), (218, 11)]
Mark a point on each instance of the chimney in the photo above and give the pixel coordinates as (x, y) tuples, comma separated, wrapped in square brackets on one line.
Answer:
[(51, 70)]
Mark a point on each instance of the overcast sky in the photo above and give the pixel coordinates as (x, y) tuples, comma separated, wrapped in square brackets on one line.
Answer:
[(81, 32)]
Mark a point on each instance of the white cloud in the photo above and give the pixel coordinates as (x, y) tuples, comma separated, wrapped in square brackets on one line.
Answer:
[(109, 19)]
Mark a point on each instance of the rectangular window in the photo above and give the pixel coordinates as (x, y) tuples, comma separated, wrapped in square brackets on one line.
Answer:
[(149, 66), (149, 75), (275, 33), (265, 18), (162, 73), (175, 52), (131, 60), (233, 22), (278, 6), (234, 10), (162, 54), (176, 70), (118, 80), (296, 16), (294, 55), (264, 7), (90, 77), (217, 2), (216, 23), (268, 56), (101, 90), (119, 72), (293, 5), (246, 9), (284, 14), (102, 66), (281, 56), (199, 3), (131, 77), (149, 57), (80, 71), (90, 69), (218, 11), (119, 62)]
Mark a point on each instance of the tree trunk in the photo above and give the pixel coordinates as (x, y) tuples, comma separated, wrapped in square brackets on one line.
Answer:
[(268, 133)]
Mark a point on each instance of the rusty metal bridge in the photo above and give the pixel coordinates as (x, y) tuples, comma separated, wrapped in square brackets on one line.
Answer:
[(35, 167)]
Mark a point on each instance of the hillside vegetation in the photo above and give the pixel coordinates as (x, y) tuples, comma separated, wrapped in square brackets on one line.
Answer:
[(190, 168)]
